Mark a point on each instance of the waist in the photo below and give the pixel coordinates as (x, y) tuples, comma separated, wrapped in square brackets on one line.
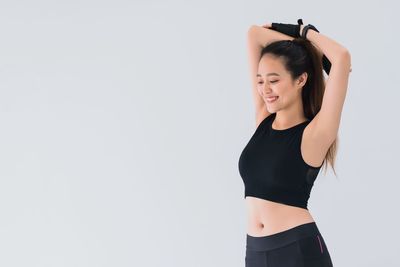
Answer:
[(267, 217), (282, 238)]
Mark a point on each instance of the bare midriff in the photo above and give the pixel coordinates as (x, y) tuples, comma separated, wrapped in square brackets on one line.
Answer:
[(267, 217)]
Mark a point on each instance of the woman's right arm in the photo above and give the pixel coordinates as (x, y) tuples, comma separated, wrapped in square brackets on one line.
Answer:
[(257, 38)]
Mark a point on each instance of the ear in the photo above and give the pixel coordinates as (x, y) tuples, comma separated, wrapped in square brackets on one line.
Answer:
[(301, 81)]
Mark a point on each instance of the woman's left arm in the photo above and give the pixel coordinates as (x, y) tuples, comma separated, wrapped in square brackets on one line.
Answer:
[(326, 122)]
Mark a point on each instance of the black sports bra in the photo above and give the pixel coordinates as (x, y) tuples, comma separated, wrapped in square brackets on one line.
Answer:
[(272, 167)]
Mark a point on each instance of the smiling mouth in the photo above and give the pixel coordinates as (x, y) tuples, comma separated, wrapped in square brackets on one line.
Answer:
[(272, 99)]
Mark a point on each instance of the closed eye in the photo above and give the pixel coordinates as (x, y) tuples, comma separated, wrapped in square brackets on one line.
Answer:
[(270, 82)]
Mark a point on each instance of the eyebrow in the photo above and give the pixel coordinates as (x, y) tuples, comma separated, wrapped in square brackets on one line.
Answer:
[(269, 74)]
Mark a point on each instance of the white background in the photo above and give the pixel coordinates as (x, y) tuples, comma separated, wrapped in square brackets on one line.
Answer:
[(122, 123)]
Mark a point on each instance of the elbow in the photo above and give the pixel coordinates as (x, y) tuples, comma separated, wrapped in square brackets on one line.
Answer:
[(345, 58), (252, 27), (251, 30)]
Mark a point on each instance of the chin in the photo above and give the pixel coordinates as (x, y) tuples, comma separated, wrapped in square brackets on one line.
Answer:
[(271, 109)]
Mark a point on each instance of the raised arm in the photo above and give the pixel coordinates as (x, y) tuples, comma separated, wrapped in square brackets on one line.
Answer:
[(325, 124), (257, 38)]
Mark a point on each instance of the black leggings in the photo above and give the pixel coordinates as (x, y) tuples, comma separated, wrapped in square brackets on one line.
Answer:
[(300, 246)]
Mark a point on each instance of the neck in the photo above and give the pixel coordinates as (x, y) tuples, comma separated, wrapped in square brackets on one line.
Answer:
[(289, 117)]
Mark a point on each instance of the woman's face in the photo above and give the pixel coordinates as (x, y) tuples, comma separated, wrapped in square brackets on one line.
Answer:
[(274, 81)]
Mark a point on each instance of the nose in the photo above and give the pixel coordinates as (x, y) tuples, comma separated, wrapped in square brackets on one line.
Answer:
[(264, 90)]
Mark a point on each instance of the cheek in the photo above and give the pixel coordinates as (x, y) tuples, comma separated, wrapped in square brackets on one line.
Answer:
[(283, 90), (290, 97), (286, 96)]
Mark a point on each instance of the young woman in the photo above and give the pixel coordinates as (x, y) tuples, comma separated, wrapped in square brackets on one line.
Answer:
[(297, 120)]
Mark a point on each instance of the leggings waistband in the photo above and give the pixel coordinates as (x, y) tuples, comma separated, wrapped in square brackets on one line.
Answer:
[(264, 243)]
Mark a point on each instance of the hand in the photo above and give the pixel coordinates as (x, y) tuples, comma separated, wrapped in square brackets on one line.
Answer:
[(285, 28)]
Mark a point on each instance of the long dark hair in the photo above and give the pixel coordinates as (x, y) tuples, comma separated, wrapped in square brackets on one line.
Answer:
[(298, 56)]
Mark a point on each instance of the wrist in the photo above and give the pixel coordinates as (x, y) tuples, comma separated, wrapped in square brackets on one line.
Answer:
[(305, 30)]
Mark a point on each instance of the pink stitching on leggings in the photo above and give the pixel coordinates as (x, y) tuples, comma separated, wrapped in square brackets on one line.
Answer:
[(320, 243)]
